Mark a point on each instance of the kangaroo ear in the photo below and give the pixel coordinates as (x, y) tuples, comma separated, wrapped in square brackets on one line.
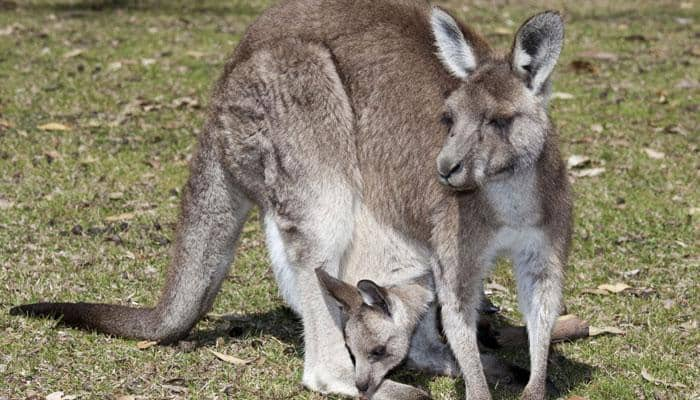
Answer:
[(536, 49), (374, 295), (345, 294), (455, 53)]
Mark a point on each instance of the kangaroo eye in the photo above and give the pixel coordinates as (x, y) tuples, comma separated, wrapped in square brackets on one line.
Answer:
[(447, 120), (378, 352), (501, 124)]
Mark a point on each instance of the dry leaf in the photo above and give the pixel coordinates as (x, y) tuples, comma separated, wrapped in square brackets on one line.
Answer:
[(614, 288), (115, 66), (496, 287), (88, 160), (175, 388), (115, 195), (52, 155), (689, 325), (577, 161), (599, 55), (143, 345), (185, 102), (610, 330), (55, 396), (5, 124), (568, 398), (562, 96), (656, 155), (584, 66), (630, 273), (230, 359), (502, 31), (11, 29), (597, 128), (5, 204), (125, 397), (147, 61), (676, 130), (636, 38), (54, 126), (74, 53), (196, 54), (120, 217), (643, 292), (649, 378), (588, 172), (687, 84)]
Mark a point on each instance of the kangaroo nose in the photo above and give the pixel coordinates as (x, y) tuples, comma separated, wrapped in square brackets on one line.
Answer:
[(362, 386), (447, 172)]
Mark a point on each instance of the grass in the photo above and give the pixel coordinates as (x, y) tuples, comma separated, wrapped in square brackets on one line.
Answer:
[(130, 79)]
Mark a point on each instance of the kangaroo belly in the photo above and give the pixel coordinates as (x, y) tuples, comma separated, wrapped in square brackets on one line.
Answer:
[(382, 254), (376, 252), (284, 272)]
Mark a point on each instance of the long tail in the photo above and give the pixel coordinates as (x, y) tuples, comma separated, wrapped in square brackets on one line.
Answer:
[(214, 210)]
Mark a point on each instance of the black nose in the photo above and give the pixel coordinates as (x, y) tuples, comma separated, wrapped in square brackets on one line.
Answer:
[(362, 386), (455, 168)]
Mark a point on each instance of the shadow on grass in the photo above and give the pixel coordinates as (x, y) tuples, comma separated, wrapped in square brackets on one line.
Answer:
[(280, 323), (285, 326), (77, 8)]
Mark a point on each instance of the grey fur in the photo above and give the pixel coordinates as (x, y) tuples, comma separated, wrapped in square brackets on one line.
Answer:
[(328, 117)]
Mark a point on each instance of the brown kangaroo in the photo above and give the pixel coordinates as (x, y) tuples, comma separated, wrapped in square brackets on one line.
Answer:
[(333, 113)]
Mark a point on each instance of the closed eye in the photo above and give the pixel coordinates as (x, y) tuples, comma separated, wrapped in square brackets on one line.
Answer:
[(502, 123), (447, 120), (378, 352)]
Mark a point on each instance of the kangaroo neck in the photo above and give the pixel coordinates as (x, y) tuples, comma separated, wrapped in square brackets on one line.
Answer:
[(515, 200)]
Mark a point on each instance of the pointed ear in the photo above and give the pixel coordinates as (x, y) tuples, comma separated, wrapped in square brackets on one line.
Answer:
[(536, 49), (345, 294), (374, 295), (455, 53)]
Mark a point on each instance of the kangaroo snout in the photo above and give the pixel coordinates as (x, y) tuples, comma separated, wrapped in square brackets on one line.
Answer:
[(362, 387), (455, 173), (446, 172)]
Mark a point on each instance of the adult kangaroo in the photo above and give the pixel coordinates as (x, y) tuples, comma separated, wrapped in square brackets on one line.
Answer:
[(332, 109)]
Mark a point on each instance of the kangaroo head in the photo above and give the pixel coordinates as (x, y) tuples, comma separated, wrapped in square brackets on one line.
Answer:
[(497, 119), (376, 325)]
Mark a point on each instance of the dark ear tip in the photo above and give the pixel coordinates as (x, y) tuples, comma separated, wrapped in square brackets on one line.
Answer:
[(16, 310), (321, 273), (323, 277), (551, 17), (366, 284)]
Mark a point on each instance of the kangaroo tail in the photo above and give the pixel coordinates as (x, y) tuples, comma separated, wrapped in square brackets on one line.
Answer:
[(214, 210)]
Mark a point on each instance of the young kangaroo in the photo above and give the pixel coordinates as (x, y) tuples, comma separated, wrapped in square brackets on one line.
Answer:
[(330, 109)]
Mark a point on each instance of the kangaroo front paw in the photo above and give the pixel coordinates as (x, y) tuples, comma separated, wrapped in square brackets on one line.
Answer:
[(533, 393), (540, 391), (326, 383), (391, 390)]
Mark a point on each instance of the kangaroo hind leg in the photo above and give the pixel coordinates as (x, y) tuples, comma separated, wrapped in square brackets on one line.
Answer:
[(296, 146)]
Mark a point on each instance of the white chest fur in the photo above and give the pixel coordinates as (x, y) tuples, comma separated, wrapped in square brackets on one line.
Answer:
[(516, 203), (515, 200)]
